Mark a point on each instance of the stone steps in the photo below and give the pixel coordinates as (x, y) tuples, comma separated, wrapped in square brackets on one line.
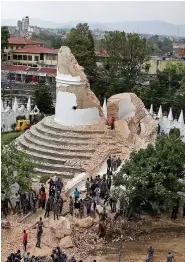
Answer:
[(59, 168), (30, 138), (45, 156), (65, 151), (37, 147), (57, 140), (62, 174), (57, 134), (96, 129)]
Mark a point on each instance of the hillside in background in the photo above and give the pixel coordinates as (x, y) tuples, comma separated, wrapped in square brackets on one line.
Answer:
[(142, 27)]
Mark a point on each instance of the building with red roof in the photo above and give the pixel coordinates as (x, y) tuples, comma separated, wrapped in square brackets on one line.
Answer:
[(15, 43), (35, 56), (22, 41)]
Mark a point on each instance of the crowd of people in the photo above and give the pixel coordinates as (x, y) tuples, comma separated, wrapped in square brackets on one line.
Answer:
[(57, 255), (97, 192), (81, 204)]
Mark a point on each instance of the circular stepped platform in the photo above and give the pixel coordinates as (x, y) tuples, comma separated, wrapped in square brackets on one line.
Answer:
[(62, 150)]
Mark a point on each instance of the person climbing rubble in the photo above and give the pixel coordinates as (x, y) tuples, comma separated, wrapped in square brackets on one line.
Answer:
[(40, 226)]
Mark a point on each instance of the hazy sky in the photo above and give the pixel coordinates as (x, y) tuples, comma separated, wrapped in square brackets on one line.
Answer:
[(94, 11)]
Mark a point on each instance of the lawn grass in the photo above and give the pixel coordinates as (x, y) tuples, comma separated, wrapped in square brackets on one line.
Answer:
[(8, 137)]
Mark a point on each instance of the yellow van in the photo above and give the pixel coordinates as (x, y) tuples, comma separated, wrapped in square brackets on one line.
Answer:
[(22, 125)]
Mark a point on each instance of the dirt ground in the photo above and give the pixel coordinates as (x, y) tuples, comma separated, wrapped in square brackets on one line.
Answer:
[(168, 236), (136, 251)]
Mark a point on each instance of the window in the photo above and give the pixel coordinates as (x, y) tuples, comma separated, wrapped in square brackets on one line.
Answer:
[(36, 58), (41, 57), (14, 57), (19, 57), (25, 57), (54, 57), (30, 58), (34, 65), (8, 57)]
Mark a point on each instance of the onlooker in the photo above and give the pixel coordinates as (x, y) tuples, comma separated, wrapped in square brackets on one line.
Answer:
[(76, 194), (170, 257), (24, 240), (109, 162), (77, 208)]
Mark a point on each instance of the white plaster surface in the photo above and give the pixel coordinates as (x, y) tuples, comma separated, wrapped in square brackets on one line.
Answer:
[(66, 115), (126, 108), (77, 182), (67, 79)]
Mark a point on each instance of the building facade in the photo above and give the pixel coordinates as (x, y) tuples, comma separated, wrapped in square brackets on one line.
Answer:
[(15, 43), (19, 25), (25, 23), (36, 56)]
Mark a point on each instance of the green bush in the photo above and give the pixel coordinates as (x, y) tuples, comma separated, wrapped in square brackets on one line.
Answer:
[(8, 137)]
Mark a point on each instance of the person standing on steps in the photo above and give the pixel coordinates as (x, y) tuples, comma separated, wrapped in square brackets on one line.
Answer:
[(112, 124)]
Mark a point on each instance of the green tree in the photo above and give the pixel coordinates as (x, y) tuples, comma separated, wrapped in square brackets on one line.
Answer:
[(43, 98), (5, 34), (154, 93), (81, 43), (151, 176), (16, 166), (127, 53)]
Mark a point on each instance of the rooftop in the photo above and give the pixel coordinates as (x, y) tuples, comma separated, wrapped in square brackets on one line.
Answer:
[(22, 41), (37, 50), (16, 68)]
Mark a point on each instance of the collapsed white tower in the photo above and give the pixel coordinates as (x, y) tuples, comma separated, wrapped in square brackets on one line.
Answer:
[(76, 104)]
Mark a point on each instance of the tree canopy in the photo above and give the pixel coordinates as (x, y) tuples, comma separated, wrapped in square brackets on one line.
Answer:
[(5, 34), (43, 98), (16, 166), (151, 175), (168, 89), (81, 43), (127, 53)]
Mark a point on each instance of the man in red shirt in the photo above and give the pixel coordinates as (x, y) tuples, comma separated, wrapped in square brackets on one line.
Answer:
[(43, 199), (24, 240)]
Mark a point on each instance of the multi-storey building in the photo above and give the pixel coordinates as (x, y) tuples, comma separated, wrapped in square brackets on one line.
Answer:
[(15, 43), (35, 56), (19, 25), (25, 23)]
